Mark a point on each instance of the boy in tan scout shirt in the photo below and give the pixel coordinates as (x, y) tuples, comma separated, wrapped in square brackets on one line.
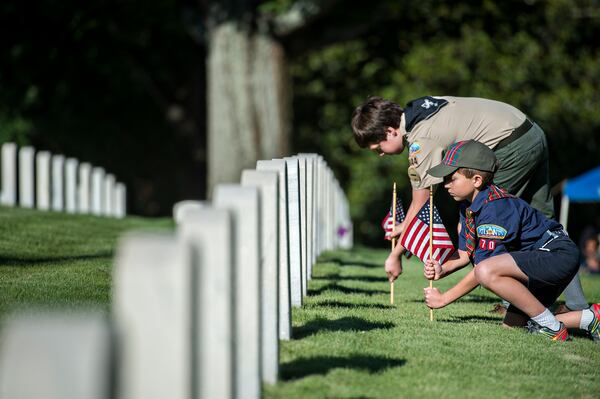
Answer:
[(428, 125)]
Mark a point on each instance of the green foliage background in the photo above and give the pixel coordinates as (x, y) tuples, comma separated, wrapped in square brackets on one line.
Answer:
[(541, 56), (123, 84)]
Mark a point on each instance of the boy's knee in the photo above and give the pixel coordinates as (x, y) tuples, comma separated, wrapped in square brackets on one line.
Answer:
[(484, 273)]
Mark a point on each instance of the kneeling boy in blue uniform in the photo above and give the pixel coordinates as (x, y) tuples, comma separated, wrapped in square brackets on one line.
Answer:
[(518, 253)]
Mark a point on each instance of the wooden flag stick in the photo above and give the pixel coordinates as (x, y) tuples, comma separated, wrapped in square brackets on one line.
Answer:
[(393, 238), (430, 240)]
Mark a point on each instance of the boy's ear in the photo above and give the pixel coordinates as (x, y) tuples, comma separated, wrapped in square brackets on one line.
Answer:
[(477, 181)]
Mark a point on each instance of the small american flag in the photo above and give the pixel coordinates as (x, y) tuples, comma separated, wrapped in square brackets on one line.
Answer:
[(416, 236), (388, 224)]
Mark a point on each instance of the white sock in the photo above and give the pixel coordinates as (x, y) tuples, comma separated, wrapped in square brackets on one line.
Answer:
[(547, 319), (586, 318)]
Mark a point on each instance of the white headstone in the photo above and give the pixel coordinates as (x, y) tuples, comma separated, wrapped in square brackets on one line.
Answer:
[(320, 227), (294, 231), (285, 313), (71, 185), (345, 223), (9, 174), (182, 208), (58, 164), (330, 210), (327, 210), (152, 306), (303, 223), (207, 231), (84, 203), (42, 181), (26, 177), (54, 356), (244, 204), (98, 191), (120, 201), (266, 182), (310, 211), (109, 195)]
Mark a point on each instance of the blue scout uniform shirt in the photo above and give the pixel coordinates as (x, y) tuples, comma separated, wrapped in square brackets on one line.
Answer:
[(503, 225)]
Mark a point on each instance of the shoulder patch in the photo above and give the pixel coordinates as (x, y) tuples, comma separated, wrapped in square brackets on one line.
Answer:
[(414, 148), (413, 175), (491, 231)]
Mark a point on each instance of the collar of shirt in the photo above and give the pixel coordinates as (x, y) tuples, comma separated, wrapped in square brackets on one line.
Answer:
[(403, 125), (421, 109), (480, 199)]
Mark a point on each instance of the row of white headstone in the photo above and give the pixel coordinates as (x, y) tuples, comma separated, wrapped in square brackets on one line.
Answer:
[(198, 313), (51, 182)]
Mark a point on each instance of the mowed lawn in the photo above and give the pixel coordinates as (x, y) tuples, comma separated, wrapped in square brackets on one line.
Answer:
[(348, 341), (52, 259)]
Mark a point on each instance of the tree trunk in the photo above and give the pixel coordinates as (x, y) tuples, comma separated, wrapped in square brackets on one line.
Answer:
[(248, 101)]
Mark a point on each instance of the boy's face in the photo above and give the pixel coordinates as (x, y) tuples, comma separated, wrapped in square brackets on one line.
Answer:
[(461, 187), (393, 143)]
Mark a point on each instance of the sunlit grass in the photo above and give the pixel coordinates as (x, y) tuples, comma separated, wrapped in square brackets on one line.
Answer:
[(50, 259), (351, 343)]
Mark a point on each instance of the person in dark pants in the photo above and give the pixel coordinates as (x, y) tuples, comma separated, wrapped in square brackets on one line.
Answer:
[(517, 253), (428, 125)]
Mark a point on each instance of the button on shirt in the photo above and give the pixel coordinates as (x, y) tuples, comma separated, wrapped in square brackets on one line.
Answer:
[(503, 225), (462, 118)]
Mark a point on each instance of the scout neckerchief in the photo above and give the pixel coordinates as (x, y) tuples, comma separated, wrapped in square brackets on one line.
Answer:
[(494, 193), (421, 109)]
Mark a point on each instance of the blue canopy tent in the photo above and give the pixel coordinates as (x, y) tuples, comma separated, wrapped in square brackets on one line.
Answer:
[(583, 188)]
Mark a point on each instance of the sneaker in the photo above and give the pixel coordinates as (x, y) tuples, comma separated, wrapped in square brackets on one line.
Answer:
[(594, 327), (560, 335)]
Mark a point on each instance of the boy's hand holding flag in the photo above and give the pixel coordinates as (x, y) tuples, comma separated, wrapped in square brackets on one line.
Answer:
[(388, 223)]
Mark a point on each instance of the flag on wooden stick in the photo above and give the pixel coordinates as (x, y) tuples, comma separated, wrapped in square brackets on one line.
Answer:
[(388, 221), (416, 236)]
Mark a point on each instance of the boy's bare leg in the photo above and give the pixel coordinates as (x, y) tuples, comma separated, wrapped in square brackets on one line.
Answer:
[(501, 275), (570, 319)]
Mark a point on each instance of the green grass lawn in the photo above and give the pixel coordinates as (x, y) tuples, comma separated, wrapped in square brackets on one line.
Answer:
[(348, 341), (53, 259)]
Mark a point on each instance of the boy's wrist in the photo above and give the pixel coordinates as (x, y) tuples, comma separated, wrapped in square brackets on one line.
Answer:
[(398, 249), (446, 300)]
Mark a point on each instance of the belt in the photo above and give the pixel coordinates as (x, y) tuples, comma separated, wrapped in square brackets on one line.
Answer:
[(518, 132), (549, 236)]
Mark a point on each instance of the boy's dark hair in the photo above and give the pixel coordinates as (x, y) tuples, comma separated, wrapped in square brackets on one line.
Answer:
[(371, 119), (486, 177)]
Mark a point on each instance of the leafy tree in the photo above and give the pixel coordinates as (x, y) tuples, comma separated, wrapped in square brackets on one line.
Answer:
[(539, 56)]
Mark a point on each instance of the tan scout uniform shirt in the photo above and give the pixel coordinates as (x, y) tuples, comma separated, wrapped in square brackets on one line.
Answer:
[(463, 118)]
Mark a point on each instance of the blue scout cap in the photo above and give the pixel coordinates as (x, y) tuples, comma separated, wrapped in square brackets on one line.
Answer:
[(466, 154)]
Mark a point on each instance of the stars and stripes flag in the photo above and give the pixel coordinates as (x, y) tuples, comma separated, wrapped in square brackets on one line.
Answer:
[(388, 224), (416, 236)]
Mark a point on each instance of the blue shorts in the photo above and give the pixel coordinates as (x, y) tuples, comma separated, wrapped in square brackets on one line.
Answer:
[(549, 268)]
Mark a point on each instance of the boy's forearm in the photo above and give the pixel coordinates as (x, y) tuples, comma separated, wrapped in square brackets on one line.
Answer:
[(455, 264), (464, 286)]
